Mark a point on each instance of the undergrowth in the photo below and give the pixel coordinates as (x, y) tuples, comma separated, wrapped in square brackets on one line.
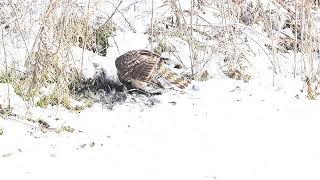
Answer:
[(47, 36)]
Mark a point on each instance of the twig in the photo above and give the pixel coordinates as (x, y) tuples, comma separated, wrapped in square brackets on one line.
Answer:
[(85, 36), (152, 13), (109, 18), (191, 41), (295, 39), (6, 64)]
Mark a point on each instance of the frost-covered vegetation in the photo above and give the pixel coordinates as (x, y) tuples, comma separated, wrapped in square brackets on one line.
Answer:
[(254, 66)]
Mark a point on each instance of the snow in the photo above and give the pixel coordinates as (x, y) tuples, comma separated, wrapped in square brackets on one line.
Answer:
[(219, 129), (226, 130), (126, 42)]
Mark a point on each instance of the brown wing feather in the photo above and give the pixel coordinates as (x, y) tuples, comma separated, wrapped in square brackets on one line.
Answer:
[(138, 64), (142, 66), (172, 77)]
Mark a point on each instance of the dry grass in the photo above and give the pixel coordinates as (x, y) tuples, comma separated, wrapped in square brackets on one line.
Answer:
[(64, 24), (48, 59)]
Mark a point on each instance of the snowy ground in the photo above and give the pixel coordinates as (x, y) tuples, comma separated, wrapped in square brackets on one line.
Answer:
[(226, 130)]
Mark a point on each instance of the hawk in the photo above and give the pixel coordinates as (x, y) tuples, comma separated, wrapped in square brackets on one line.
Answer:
[(145, 70)]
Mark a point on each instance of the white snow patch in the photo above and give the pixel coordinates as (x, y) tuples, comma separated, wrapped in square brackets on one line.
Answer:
[(226, 130), (124, 42)]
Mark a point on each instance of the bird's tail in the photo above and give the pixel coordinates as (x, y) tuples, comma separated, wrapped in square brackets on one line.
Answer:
[(167, 75)]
